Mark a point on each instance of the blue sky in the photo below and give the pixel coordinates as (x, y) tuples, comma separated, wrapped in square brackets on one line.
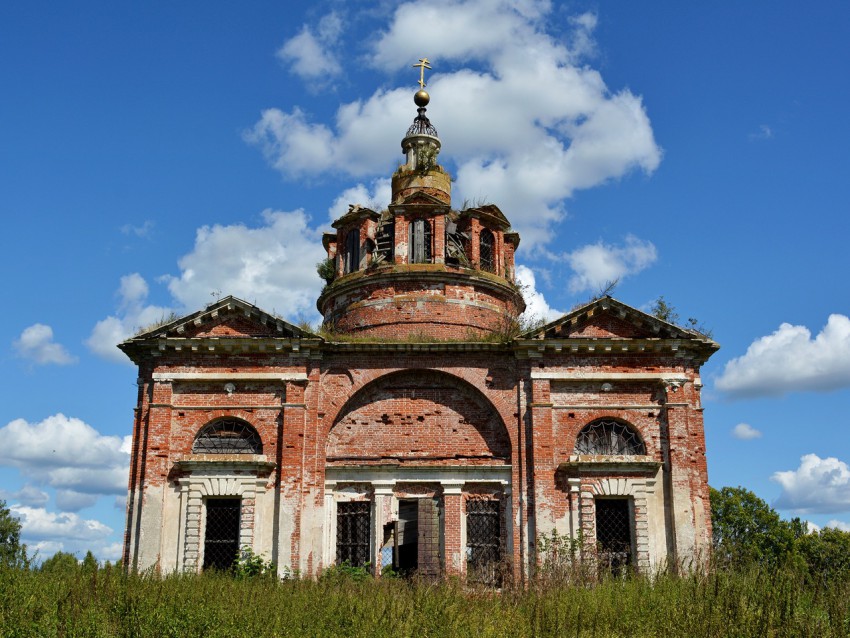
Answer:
[(155, 154)]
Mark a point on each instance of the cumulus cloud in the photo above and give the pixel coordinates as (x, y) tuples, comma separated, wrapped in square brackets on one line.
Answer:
[(310, 53), (791, 360), (272, 265), (377, 198), (836, 524), (69, 455), (597, 264), (745, 432), (536, 306), (37, 346), (133, 314), (28, 495), (527, 154), (50, 532), (820, 486)]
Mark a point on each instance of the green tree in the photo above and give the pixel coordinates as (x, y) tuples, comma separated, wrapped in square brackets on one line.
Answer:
[(89, 563), (12, 551), (827, 554), (61, 563), (748, 530)]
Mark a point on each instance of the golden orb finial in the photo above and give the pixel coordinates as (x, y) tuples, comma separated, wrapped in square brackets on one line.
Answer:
[(421, 98)]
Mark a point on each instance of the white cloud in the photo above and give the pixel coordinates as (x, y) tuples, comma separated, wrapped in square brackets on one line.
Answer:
[(526, 129), (28, 495), (764, 133), (745, 432), (817, 486), (377, 198), (273, 265), (139, 231), (132, 315), (36, 345), (50, 532), (310, 54), (597, 264), (790, 360), (69, 455), (836, 524), (536, 306)]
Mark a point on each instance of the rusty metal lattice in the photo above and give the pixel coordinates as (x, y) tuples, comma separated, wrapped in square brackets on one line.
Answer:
[(227, 436), (613, 534), (352, 533), (483, 541), (421, 125), (609, 438), (485, 255), (221, 537)]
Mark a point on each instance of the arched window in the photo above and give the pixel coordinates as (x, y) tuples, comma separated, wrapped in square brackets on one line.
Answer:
[(227, 436), (609, 438), (419, 241), (352, 251), (486, 255)]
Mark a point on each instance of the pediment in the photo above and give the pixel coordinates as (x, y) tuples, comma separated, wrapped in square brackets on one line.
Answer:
[(229, 317), (608, 318)]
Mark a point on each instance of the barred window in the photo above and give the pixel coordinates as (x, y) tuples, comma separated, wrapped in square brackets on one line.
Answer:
[(486, 242), (483, 541), (352, 532), (609, 438), (228, 436)]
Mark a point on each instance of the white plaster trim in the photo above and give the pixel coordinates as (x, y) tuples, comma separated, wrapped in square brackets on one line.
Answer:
[(579, 375), (391, 475), (229, 376)]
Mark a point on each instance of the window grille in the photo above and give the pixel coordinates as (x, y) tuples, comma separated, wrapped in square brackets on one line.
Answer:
[(483, 541), (419, 236), (227, 436), (352, 251), (609, 438), (352, 532), (613, 534), (486, 256), (221, 538)]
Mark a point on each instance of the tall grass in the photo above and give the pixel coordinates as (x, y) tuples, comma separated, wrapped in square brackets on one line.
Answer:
[(724, 603)]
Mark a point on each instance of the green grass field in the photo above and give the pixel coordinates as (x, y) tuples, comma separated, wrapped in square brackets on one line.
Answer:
[(105, 602)]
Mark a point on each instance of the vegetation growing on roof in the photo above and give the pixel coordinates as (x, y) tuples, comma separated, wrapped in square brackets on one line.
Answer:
[(164, 320)]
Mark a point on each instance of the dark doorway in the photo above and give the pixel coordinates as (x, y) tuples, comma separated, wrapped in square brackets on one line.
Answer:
[(614, 534), (406, 558), (483, 541), (221, 538), (352, 532), (417, 538)]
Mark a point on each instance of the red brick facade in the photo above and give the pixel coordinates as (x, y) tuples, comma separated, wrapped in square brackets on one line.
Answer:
[(420, 388)]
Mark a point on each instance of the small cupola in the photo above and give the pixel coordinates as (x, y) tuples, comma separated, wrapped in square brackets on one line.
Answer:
[(421, 146)]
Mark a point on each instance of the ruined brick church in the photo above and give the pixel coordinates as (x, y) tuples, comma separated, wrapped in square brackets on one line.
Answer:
[(420, 431)]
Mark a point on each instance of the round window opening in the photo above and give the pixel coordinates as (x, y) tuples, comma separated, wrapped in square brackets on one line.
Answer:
[(609, 438)]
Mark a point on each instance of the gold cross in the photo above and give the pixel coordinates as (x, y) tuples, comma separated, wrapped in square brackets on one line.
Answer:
[(423, 64)]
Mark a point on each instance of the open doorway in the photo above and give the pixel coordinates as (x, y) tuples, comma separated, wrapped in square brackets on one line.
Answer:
[(221, 536), (416, 538)]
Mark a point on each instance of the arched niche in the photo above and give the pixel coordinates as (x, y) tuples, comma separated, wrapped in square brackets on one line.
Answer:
[(418, 417)]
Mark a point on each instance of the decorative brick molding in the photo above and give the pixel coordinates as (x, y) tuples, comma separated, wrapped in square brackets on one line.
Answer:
[(202, 479)]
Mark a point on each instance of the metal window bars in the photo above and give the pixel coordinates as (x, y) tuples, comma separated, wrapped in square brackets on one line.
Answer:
[(610, 438), (221, 536), (483, 541), (227, 436), (352, 532), (613, 534)]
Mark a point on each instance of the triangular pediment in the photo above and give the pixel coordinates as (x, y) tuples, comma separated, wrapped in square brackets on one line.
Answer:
[(608, 318), (228, 317), (489, 213)]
